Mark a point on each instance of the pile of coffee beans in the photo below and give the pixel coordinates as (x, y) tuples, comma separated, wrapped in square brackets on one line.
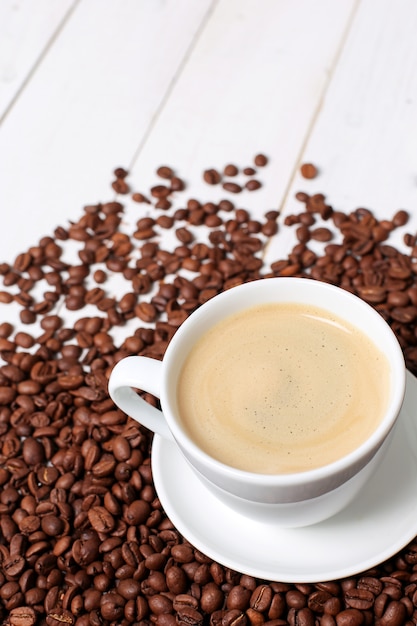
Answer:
[(84, 540)]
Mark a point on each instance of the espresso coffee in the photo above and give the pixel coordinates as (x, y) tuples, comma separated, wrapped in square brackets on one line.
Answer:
[(282, 388)]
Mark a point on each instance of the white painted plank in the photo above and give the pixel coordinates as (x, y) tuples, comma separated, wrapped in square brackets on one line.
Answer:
[(87, 108), (365, 138), (27, 28), (253, 83)]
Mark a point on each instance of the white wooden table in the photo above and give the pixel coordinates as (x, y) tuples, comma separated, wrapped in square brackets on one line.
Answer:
[(89, 85)]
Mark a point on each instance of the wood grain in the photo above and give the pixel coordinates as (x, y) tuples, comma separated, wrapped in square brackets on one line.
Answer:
[(26, 32), (254, 82), (87, 107)]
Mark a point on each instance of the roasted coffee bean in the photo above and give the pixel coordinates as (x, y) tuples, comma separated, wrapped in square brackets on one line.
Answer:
[(332, 606), (234, 617), (160, 191), (308, 170), (295, 599), (7, 395), (395, 614), (139, 197), (238, 598), (101, 520), (165, 172), (6, 297), (232, 187), (359, 599), (184, 600), (230, 170), (371, 584), (301, 617), (188, 616), (184, 235), (33, 451), (159, 604), (22, 616), (166, 619), (35, 596), (253, 184), (211, 176), (317, 600), (261, 598), (260, 160), (400, 218), (129, 588), (350, 617), (182, 553), (52, 525), (137, 512), (177, 184), (321, 234), (60, 617), (212, 598), (176, 579)]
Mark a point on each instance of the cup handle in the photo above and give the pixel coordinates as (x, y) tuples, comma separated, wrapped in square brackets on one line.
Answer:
[(139, 372)]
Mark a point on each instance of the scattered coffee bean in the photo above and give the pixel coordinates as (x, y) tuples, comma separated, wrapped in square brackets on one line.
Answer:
[(120, 172), (252, 184), (139, 197), (308, 170), (232, 187), (160, 191), (177, 184), (84, 538), (165, 172), (260, 160), (230, 170), (212, 176), (120, 186)]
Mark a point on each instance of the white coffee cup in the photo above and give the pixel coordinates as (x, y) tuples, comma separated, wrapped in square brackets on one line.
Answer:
[(287, 499)]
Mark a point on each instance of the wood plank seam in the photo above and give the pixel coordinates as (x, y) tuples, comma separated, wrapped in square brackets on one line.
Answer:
[(173, 81), (319, 106), (38, 60)]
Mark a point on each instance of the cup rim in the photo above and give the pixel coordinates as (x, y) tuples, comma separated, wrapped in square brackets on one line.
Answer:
[(369, 446)]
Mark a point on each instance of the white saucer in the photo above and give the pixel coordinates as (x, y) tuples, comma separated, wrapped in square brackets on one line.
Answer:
[(377, 525)]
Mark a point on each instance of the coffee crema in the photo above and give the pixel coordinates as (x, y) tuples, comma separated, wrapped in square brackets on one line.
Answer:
[(282, 388)]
